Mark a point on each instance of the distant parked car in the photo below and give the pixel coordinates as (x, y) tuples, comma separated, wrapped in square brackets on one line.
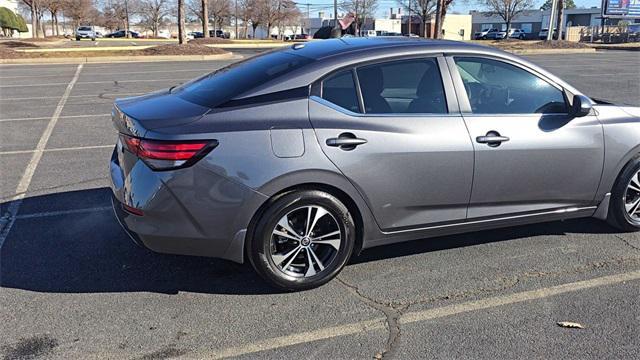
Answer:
[(482, 34), (85, 32), (122, 33), (165, 34), (517, 34), (195, 35), (544, 32), (218, 34)]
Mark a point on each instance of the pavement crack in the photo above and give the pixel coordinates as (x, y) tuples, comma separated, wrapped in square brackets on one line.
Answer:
[(626, 242), (391, 312)]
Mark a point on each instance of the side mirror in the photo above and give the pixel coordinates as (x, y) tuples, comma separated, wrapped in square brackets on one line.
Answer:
[(581, 106)]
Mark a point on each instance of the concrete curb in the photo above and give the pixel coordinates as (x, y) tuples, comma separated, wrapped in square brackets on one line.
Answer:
[(549, 51), (114, 59)]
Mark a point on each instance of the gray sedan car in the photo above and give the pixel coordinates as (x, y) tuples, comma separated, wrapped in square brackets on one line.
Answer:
[(297, 159)]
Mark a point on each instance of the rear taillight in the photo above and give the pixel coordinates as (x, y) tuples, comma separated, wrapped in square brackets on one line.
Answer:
[(164, 155)]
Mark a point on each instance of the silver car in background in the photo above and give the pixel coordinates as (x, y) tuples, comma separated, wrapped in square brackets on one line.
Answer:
[(299, 158)]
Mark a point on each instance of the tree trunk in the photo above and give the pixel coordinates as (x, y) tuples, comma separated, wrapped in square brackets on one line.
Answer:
[(53, 25), (205, 18), (559, 22), (438, 25), (181, 30), (34, 20)]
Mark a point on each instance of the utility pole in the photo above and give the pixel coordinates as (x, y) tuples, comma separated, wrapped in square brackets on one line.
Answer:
[(235, 16), (554, 4), (336, 32)]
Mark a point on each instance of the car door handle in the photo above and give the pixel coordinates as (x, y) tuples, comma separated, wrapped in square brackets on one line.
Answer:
[(493, 139), (346, 141)]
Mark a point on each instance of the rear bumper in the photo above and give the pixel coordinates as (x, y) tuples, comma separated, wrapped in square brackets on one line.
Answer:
[(190, 211)]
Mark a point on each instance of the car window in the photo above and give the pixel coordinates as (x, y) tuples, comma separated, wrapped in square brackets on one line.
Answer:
[(84, 28), (406, 86), (495, 87), (226, 83), (340, 89)]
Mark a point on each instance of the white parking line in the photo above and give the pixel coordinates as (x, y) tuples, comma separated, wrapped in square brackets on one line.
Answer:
[(27, 176), (73, 96), (12, 152), (418, 316), (94, 82), (62, 212), (113, 73), (61, 117)]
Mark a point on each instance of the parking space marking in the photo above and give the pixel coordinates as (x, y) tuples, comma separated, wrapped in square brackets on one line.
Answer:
[(27, 176), (95, 82), (111, 73), (61, 117), (73, 96), (62, 212), (13, 152), (423, 315)]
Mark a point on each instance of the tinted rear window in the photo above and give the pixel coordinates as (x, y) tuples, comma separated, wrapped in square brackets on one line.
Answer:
[(224, 84), (84, 28)]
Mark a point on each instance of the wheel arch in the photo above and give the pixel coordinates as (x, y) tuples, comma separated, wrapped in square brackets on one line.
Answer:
[(355, 209)]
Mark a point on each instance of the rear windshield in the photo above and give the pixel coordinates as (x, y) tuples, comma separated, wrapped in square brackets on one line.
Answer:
[(84, 28), (225, 84)]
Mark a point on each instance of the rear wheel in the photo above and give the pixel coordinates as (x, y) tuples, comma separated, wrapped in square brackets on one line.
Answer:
[(302, 240), (624, 207)]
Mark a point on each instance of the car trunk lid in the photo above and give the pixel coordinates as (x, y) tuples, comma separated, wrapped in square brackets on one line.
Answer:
[(136, 115)]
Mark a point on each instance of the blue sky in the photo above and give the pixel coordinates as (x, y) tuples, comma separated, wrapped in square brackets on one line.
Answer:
[(460, 6)]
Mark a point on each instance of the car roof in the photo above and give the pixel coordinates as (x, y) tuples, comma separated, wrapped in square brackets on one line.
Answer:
[(323, 49), (333, 54)]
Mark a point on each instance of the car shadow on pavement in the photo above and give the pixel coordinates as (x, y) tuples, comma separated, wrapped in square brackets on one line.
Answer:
[(87, 252)]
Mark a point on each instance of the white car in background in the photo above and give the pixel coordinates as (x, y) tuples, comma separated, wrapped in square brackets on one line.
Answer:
[(164, 34), (517, 34)]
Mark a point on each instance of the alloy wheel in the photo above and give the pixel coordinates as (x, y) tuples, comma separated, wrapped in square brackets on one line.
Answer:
[(305, 241), (632, 197)]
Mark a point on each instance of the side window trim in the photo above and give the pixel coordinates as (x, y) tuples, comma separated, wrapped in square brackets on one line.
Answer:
[(463, 97), (354, 73)]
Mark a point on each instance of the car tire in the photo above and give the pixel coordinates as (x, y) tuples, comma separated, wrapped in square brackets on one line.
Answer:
[(310, 253), (484, 37), (521, 37), (624, 204)]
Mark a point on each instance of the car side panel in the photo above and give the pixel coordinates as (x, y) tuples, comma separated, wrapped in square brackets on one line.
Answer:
[(245, 156), (622, 143)]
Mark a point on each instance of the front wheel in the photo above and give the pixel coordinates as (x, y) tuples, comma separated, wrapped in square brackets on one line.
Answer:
[(302, 240), (624, 206)]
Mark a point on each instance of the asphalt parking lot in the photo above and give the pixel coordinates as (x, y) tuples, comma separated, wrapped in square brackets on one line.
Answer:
[(72, 285)]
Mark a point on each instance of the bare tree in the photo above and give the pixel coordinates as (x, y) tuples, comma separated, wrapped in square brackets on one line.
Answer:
[(361, 9), (54, 7), (441, 12), (424, 9), (245, 13), (507, 9), (116, 13), (79, 11), (33, 6), (218, 11), (153, 13)]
